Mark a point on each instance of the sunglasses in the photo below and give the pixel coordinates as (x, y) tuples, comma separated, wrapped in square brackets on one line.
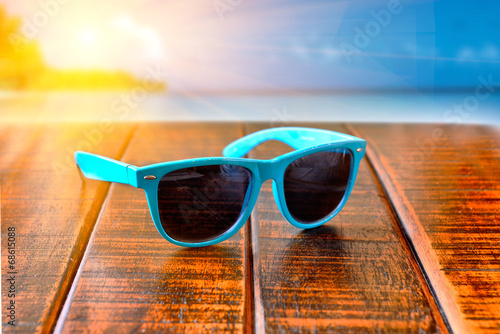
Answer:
[(201, 202)]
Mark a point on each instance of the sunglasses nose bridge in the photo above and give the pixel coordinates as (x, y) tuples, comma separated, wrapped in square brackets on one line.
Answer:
[(267, 170)]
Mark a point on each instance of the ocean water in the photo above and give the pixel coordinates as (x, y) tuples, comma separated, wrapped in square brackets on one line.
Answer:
[(277, 109)]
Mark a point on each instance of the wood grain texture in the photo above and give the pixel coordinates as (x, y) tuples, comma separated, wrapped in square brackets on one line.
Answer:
[(53, 212), (353, 274), (135, 281), (444, 182)]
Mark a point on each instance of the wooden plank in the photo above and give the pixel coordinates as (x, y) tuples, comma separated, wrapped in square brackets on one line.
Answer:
[(135, 281), (444, 182), (52, 210), (353, 274)]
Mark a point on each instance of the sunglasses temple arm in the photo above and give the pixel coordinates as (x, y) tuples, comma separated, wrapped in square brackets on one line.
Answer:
[(97, 167), (295, 137)]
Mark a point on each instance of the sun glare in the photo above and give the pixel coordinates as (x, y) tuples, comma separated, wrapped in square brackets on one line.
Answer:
[(123, 22), (147, 37), (88, 37)]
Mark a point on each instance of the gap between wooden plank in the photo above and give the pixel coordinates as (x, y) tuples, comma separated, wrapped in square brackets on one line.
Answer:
[(413, 258), (258, 309), (249, 279), (413, 231), (249, 307), (60, 306), (254, 313), (67, 304)]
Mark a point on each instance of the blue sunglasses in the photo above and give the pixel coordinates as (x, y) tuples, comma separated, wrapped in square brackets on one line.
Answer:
[(201, 202)]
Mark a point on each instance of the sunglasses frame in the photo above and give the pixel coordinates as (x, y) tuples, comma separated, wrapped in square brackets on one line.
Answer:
[(148, 177)]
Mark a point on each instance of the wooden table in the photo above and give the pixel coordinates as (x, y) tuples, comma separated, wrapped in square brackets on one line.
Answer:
[(416, 249)]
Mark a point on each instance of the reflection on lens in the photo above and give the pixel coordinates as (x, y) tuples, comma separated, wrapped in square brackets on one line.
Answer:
[(199, 204), (315, 184)]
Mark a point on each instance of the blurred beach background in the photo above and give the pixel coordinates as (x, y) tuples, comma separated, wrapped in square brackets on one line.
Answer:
[(241, 60)]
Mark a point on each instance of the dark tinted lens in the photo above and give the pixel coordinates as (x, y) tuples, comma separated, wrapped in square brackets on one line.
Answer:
[(315, 184), (201, 203)]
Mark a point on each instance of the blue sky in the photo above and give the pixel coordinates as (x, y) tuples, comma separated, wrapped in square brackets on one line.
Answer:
[(241, 45)]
